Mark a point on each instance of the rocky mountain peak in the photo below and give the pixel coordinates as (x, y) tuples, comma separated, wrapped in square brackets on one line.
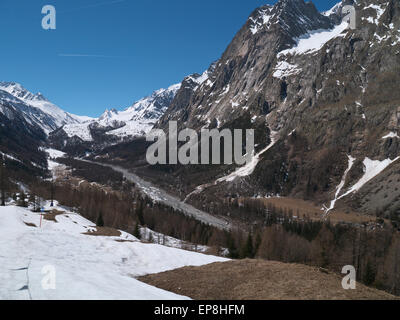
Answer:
[(40, 97), (107, 114), (322, 87), (17, 90), (292, 17), (35, 107)]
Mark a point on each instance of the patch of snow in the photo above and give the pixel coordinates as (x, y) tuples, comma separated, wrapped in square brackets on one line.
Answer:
[(10, 157), (53, 153), (87, 267), (391, 135), (315, 40), (226, 90), (396, 40), (379, 38), (249, 168), (285, 69), (80, 130), (372, 168), (263, 18), (333, 10), (379, 12), (133, 128), (159, 238), (341, 185)]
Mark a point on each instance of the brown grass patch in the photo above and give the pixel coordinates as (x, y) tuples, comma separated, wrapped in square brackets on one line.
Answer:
[(104, 232), (51, 216), (30, 224), (259, 280), (301, 208)]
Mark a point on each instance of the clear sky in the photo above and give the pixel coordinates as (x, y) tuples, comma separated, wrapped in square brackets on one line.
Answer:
[(110, 53)]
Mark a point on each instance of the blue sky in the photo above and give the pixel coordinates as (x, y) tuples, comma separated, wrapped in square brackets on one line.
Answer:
[(109, 53)]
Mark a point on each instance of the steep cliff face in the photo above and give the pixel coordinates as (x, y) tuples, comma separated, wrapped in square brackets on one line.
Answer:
[(328, 93), (238, 77)]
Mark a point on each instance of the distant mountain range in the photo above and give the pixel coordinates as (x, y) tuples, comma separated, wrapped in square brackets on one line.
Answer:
[(324, 98), (35, 108), (134, 121), (37, 114)]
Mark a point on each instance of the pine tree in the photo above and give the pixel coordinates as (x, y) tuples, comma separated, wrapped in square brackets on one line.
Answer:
[(52, 193), (369, 277), (100, 221), (233, 251), (22, 202), (248, 249), (139, 213), (36, 202), (136, 232), (257, 243), (151, 239), (2, 181)]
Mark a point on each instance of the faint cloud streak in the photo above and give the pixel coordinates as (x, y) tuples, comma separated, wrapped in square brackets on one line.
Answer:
[(79, 55)]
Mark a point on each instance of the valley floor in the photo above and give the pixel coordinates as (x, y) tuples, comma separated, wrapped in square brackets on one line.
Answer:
[(159, 195), (84, 266)]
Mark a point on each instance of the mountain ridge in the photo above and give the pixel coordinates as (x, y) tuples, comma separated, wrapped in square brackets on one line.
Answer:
[(329, 93), (57, 116), (297, 73)]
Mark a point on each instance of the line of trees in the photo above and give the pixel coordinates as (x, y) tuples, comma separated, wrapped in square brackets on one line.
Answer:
[(373, 249), (128, 210), (374, 252)]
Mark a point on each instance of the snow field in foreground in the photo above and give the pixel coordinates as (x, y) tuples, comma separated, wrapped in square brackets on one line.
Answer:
[(86, 267)]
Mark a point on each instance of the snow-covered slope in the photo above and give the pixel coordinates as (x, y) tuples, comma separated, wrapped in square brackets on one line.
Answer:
[(37, 108), (315, 40), (135, 120), (86, 266)]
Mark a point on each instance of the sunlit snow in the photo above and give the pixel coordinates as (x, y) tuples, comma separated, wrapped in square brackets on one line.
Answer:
[(87, 267)]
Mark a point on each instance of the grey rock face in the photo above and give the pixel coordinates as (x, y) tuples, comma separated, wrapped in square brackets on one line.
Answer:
[(293, 69)]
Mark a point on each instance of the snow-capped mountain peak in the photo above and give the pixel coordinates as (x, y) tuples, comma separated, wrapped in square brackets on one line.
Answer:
[(108, 114), (17, 90), (39, 109), (153, 106), (293, 17), (136, 120)]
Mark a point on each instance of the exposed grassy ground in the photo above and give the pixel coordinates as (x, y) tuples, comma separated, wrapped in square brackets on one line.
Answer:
[(259, 280), (303, 208)]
